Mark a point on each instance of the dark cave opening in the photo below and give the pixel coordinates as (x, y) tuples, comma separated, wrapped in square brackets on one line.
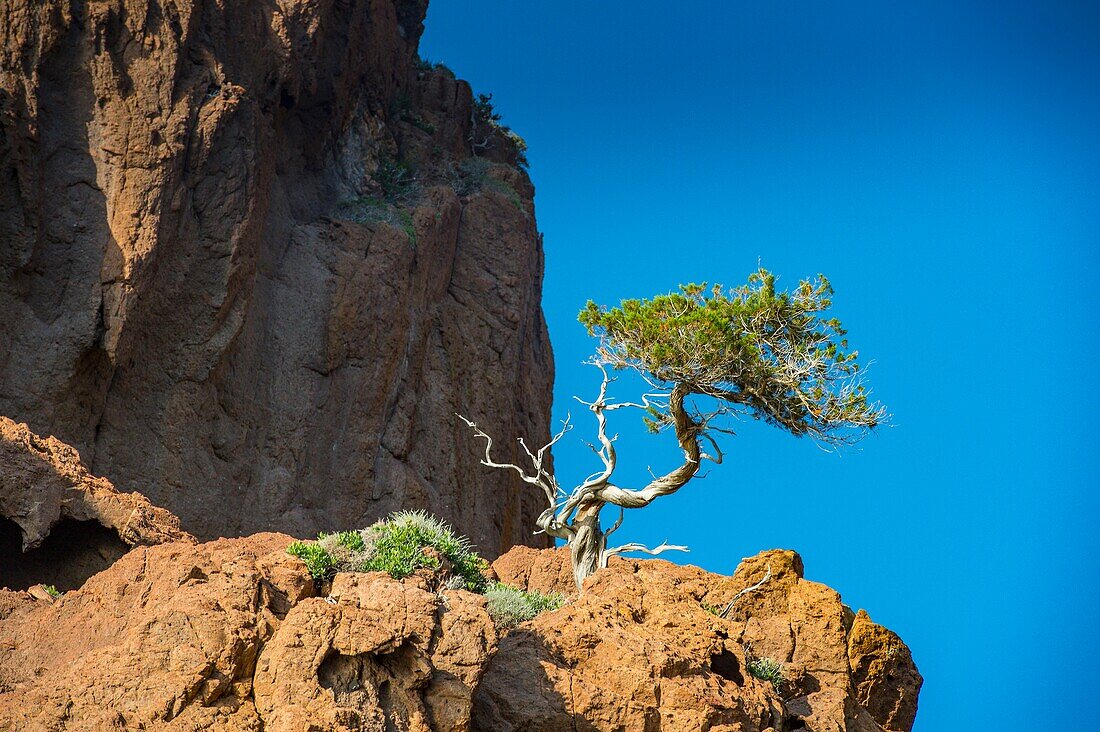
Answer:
[(726, 665), (73, 552)]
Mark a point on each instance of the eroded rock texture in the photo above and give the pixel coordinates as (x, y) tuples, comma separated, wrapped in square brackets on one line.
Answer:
[(234, 635), (229, 635), (639, 650), (59, 524), (249, 267)]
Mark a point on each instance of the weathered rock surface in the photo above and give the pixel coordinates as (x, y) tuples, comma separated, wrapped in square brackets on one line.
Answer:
[(167, 634), (383, 655), (205, 293), (231, 635), (638, 651), (542, 570), (58, 523), (227, 636)]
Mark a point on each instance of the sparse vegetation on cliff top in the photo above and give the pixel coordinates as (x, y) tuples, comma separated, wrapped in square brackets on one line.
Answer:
[(399, 545)]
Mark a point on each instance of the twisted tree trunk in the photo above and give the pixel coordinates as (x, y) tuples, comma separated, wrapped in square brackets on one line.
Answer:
[(587, 545)]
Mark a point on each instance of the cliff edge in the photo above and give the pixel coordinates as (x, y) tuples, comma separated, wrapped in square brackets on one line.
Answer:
[(111, 617), (234, 635)]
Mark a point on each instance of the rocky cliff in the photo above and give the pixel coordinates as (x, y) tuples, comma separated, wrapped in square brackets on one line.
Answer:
[(160, 632), (234, 635), (255, 255)]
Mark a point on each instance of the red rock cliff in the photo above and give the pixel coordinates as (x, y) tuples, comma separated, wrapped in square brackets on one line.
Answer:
[(148, 629), (250, 267)]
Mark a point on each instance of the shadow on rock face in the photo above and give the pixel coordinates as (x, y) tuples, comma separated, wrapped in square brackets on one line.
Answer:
[(530, 688), (73, 552)]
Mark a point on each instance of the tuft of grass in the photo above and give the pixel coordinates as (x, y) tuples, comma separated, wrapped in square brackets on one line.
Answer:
[(472, 175), (423, 64), (364, 210), (510, 606), (398, 545), (52, 591), (717, 611), (370, 210), (767, 669)]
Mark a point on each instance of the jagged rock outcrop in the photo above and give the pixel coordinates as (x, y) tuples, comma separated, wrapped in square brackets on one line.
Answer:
[(58, 523), (167, 637), (639, 650), (392, 656), (234, 635), (249, 266), (229, 635)]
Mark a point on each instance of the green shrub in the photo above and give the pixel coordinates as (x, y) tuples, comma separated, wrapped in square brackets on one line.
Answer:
[(370, 210), (52, 591), (398, 180), (767, 669), (510, 606), (318, 561), (395, 545), (519, 143)]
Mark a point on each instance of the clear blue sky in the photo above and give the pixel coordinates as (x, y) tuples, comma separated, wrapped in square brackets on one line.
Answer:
[(940, 162)]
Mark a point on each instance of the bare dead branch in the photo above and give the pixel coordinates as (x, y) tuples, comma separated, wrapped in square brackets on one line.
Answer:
[(746, 591), (635, 547)]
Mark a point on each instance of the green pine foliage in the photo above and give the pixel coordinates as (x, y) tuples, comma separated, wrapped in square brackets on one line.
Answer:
[(510, 606), (775, 355)]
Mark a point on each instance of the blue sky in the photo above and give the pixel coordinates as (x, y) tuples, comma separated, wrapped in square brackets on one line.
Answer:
[(940, 162)]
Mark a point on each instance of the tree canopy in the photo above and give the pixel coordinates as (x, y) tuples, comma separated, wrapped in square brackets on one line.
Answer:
[(774, 355)]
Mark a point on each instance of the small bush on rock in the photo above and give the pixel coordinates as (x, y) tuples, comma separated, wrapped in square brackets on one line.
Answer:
[(510, 606), (398, 545), (318, 561), (767, 669)]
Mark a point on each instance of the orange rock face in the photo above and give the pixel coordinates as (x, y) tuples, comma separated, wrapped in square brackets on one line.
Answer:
[(539, 570), (390, 655), (231, 635), (167, 634), (639, 650), (205, 291), (227, 635)]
